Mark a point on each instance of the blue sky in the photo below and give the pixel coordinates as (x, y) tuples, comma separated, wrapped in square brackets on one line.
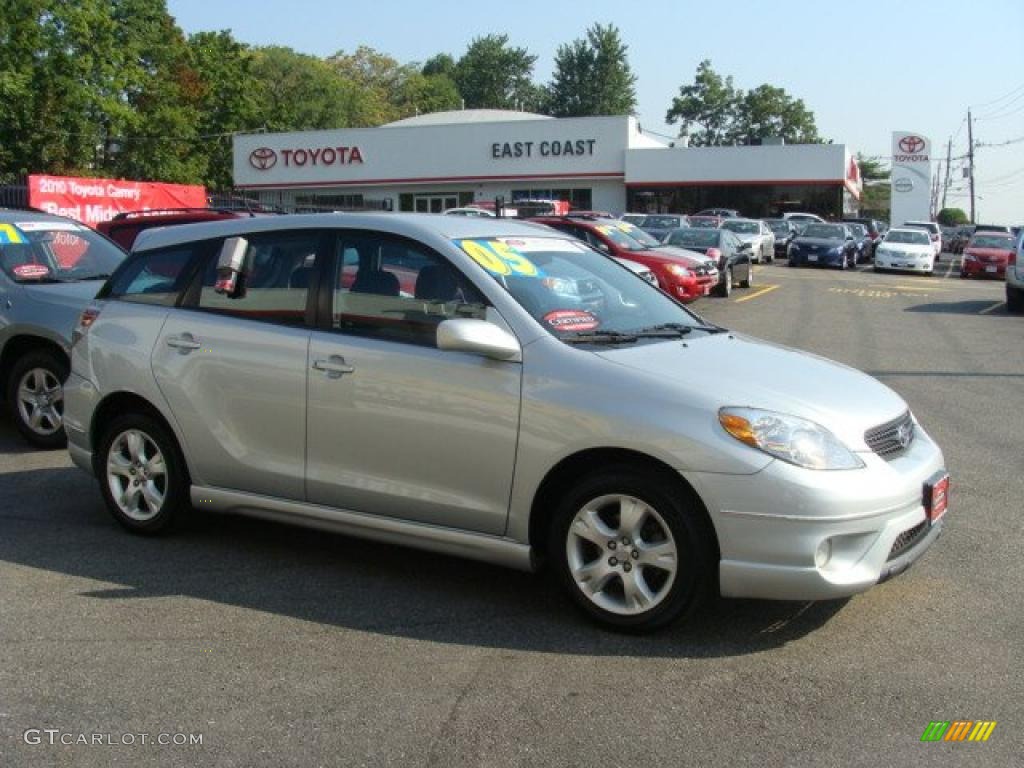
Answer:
[(865, 68)]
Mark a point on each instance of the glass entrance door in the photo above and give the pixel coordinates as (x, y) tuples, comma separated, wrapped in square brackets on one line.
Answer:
[(435, 203)]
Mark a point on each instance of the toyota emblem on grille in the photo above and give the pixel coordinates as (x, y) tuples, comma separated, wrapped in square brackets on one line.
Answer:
[(263, 158), (904, 435), (912, 144)]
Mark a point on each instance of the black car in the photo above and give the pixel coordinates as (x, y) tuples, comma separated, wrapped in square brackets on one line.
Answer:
[(865, 246), (824, 245), (876, 230), (785, 231), (733, 255), (725, 213)]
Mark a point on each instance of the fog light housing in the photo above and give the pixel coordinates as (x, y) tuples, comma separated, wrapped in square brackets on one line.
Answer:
[(823, 554)]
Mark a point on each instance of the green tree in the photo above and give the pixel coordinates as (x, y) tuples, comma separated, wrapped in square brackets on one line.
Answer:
[(491, 74), (707, 108), (952, 217), (441, 64), (227, 103), (592, 76), (419, 94), (299, 92), (770, 111)]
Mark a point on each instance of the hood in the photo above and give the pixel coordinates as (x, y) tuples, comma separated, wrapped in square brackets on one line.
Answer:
[(748, 237), (819, 242), (743, 371), (686, 254), (74, 295)]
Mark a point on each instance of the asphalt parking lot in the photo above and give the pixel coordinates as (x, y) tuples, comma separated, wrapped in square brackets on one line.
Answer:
[(285, 647)]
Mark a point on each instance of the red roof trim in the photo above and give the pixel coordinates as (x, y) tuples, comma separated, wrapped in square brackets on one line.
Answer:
[(739, 182), (431, 180)]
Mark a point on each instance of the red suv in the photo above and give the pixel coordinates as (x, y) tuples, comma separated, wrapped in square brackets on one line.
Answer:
[(682, 277), (125, 227)]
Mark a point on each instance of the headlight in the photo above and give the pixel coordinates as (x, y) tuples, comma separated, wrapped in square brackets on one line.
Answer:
[(679, 270), (794, 248), (970, 257), (836, 249), (789, 438)]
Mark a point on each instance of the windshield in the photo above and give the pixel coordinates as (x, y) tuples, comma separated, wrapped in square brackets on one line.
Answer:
[(56, 251), (637, 234), (704, 222), (824, 231), (574, 292), (859, 230), (662, 222), (779, 227), (616, 233), (907, 237), (991, 241), (634, 218), (694, 238), (742, 227)]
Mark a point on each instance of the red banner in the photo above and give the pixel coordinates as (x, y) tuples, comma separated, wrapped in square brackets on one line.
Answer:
[(91, 201)]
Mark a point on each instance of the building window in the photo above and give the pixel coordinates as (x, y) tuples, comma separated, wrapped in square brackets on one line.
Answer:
[(579, 199), (314, 203)]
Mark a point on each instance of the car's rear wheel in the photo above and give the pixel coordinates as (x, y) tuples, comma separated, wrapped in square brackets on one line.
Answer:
[(35, 398), (633, 551), (142, 473)]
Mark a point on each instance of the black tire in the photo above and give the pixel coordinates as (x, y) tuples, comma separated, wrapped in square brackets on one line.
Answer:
[(750, 277), (55, 370), (1014, 299), (695, 579), (725, 287), (175, 488)]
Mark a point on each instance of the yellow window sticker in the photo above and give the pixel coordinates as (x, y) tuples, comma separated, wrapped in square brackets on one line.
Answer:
[(499, 258)]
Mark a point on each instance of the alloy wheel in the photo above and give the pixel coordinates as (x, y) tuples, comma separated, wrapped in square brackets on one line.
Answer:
[(41, 401), (621, 554), (137, 475)]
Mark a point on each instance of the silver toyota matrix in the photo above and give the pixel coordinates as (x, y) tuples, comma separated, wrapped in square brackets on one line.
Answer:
[(496, 390)]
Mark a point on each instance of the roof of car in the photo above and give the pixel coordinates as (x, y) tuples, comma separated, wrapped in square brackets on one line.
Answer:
[(11, 215), (408, 224)]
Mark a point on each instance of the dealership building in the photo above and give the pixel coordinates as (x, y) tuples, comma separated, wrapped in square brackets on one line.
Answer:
[(448, 159)]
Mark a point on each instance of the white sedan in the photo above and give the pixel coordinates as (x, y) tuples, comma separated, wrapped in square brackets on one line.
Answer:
[(758, 234), (906, 249)]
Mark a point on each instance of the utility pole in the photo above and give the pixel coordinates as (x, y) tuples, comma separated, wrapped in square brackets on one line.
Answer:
[(970, 160), (949, 160), (934, 206)]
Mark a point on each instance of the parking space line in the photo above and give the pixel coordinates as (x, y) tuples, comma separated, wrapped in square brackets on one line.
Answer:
[(994, 307), (900, 287), (755, 294), (950, 270)]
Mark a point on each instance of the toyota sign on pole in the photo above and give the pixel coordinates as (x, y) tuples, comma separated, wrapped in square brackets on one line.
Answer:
[(911, 178)]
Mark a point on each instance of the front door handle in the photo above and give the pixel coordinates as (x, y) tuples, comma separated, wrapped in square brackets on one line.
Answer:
[(335, 366), (184, 343)]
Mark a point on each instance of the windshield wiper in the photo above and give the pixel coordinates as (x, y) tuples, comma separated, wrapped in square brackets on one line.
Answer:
[(664, 330), (599, 337)]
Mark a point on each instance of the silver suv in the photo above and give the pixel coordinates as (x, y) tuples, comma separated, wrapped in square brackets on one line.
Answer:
[(495, 390), (50, 269)]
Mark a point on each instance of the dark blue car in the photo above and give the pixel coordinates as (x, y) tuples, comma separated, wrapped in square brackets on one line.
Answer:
[(824, 245)]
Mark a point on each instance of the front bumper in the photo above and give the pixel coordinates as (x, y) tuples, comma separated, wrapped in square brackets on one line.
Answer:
[(774, 526), (980, 269), (904, 263)]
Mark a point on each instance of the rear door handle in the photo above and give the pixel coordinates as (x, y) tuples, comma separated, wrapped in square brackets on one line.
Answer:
[(334, 366), (184, 343)]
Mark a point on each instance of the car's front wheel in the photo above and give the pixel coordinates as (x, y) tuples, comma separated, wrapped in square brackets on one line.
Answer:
[(725, 288), (35, 398), (142, 473), (633, 551)]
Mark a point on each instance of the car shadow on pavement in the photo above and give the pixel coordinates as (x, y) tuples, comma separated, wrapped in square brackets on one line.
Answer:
[(960, 307), (54, 520)]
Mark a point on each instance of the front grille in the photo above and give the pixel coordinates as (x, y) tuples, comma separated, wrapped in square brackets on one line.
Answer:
[(893, 438), (908, 539)]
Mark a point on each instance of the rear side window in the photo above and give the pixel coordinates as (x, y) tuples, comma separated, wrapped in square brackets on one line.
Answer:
[(154, 277), (275, 286)]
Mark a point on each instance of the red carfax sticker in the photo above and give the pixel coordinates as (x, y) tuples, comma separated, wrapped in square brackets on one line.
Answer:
[(31, 270), (565, 320)]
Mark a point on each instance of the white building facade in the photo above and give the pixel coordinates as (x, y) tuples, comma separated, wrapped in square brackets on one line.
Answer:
[(450, 159)]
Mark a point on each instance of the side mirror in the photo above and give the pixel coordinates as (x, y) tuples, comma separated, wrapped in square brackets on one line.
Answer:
[(478, 337), (230, 265), (745, 247)]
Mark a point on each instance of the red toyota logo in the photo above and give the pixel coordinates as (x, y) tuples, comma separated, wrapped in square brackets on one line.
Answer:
[(263, 159), (912, 144)]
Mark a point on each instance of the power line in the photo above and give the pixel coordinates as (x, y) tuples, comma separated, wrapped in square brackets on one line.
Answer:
[(1001, 98), (1003, 114)]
